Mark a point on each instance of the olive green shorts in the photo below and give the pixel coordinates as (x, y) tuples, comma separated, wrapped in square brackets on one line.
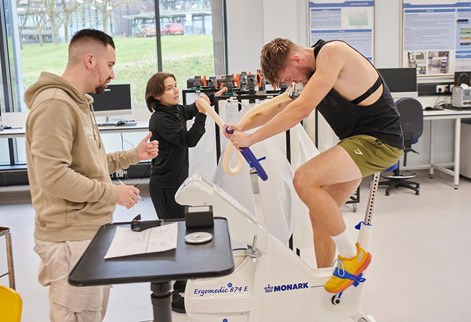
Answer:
[(370, 154)]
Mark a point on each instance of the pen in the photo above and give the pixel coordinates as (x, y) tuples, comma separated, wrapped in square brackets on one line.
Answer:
[(120, 182)]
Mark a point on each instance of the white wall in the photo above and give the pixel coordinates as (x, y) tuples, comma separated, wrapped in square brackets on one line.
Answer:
[(387, 40), (252, 23)]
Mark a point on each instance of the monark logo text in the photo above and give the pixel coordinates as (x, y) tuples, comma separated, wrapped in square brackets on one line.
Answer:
[(286, 287), (230, 288)]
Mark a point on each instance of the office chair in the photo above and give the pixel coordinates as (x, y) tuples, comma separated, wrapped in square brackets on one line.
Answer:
[(412, 122), (10, 305)]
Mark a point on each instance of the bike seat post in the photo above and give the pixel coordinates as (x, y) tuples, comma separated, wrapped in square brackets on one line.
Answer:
[(258, 204), (366, 227)]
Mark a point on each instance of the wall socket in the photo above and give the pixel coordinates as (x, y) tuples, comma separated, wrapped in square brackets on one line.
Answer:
[(120, 173), (442, 89)]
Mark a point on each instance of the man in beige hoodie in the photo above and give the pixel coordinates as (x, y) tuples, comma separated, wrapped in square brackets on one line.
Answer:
[(68, 171)]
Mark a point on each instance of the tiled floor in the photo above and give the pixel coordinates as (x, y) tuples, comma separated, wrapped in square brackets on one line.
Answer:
[(421, 255)]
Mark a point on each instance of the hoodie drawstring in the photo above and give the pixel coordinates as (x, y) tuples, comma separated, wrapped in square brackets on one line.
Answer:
[(95, 125)]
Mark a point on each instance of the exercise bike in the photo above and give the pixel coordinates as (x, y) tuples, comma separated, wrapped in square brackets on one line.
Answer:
[(270, 282)]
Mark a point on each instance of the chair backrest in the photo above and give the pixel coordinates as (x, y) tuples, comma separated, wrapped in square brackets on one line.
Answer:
[(10, 305), (412, 120)]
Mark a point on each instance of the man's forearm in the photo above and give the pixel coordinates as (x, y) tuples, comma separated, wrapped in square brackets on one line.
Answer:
[(261, 114), (282, 121)]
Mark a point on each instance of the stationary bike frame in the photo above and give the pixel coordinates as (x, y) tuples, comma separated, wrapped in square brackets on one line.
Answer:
[(270, 283)]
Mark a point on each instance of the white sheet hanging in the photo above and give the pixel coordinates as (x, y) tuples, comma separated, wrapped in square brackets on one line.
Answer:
[(285, 214), (281, 205), (202, 157)]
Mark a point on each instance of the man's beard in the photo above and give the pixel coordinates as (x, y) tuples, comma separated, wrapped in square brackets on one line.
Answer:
[(101, 89)]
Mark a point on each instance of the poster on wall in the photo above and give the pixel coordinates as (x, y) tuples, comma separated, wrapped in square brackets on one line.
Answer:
[(351, 21), (436, 36)]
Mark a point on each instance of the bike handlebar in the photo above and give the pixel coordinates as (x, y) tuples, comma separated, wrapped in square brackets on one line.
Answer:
[(252, 160)]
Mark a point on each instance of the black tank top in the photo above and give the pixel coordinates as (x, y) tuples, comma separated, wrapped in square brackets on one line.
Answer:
[(380, 119)]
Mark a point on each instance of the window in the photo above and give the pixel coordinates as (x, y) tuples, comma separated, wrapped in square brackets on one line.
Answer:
[(181, 41), (187, 24), (185, 47)]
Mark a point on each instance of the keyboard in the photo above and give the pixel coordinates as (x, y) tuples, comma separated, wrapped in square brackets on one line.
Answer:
[(107, 123), (451, 107), (8, 127), (117, 123)]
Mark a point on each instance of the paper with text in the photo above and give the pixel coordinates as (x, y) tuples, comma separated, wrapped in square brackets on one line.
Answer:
[(158, 239)]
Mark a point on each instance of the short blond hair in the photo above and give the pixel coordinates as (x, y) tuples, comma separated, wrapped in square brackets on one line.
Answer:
[(273, 58)]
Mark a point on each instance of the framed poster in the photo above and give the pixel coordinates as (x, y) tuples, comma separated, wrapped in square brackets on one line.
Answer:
[(436, 36), (351, 21)]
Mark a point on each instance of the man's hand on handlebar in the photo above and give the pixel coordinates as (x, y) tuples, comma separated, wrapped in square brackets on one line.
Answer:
[(229, 129), (241, 139)]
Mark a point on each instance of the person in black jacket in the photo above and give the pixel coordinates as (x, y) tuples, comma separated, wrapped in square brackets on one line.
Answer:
[(168, 125)]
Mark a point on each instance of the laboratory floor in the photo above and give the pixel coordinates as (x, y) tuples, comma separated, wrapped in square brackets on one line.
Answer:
[(421, 255)]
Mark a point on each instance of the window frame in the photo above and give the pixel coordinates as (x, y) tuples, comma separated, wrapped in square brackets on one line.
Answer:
[(13, 87)]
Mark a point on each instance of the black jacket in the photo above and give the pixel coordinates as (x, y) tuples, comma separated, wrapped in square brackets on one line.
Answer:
[(168, 126)]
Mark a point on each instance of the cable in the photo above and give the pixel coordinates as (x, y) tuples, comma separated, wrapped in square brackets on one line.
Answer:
[(459, 82), (124, 140)]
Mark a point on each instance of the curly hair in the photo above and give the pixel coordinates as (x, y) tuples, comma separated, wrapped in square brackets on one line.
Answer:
[(156, 86), (273, 58)]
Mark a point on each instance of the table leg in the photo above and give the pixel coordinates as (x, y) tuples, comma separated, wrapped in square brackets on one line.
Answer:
[(431, 150), (456, 177), (162, 301)]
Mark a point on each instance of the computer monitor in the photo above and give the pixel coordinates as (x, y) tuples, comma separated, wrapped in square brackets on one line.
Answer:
[(402, 82), (115, 100)]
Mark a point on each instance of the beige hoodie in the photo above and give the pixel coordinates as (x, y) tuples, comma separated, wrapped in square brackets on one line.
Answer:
[(68, 168)]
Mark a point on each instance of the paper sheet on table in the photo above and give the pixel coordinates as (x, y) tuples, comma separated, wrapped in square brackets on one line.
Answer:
[(158, 239)]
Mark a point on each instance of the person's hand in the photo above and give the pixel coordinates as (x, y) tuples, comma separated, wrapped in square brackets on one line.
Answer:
[(147, 150), (232, 128), (200, 101), (241, 139), (222, 91), (127, 195)]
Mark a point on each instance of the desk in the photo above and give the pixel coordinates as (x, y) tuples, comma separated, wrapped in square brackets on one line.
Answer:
[(9, 144), (447, 114), (139, 127), (186, 261), (12, 133)]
